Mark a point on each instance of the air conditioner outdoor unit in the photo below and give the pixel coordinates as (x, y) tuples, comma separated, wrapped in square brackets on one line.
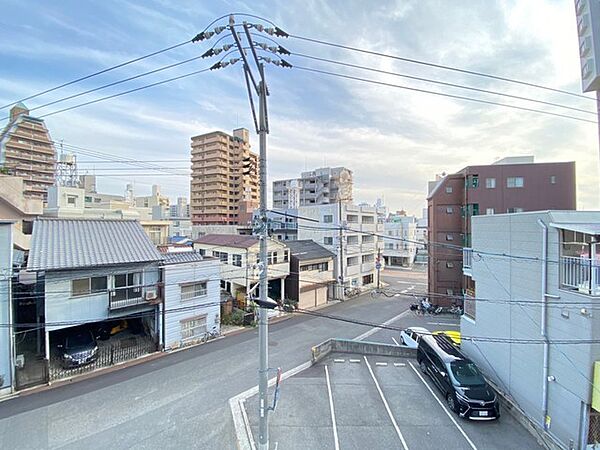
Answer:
[(151, 295)]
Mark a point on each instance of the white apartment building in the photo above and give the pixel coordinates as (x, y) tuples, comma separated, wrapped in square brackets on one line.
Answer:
[(349, 232), (400, 241), (316, 187)]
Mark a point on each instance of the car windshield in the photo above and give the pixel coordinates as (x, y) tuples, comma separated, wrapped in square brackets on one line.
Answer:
[(466, 373), (82, 339)]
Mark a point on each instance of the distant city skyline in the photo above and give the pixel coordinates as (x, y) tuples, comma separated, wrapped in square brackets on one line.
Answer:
[(394, 140)]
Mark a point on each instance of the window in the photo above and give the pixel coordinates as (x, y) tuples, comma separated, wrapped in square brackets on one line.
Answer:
[(367, 219), (449, 264), (328, 218), (352, 218), (490, 183), (368, 258), (194, 327), (202, 252), (472, 181), (88, 199), (514, 210), (71, 199), (321, 267), (127, 286), (448, 189), (351, 240), (86, 286), (449, 291), (236, 260), (368, 239), (352, 261), (552, 179), (449, 237), (272, 258), (449, 210), (389, 246), (515, 182), (193, 290), (489, 211), (286, 255), (223, 256), (328, 240)]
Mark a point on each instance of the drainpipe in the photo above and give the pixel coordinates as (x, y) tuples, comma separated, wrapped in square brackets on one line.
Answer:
[(543, 328)]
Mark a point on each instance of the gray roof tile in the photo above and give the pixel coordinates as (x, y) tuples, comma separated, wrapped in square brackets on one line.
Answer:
[(306, 250), (58, 244)]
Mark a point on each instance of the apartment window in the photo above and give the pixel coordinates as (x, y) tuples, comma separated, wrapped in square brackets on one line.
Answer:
[(321, 267), (272, 258), (223, 256), (552, 179), (97, 200), (368, 258), (328, 240), (448, 189), (515, 182), (352, 218), (367, 219), (450, 291), (489, 211), (368, 239), (352, 240), (449, 264), (352, 261), (514, 210), (449, 210), (389, 246), (86, 286), (88, 199), (193, 290), (328, 218), (202, 252), (490, 183), (194, 327), (449, 237), (236, 260), (472, 181), (286, 254)]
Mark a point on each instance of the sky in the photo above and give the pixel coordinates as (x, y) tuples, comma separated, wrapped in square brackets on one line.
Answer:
[(394, 140)]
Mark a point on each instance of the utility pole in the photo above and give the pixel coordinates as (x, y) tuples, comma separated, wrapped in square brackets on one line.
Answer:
[(256, 85), (378, 266), (341, 239)]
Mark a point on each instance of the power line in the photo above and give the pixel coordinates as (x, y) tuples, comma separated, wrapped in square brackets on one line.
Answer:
[(442, 94), (441, 66)]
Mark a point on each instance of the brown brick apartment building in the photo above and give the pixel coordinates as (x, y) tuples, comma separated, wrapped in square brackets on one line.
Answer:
[(224, 186), (509, 185), (27, 151)]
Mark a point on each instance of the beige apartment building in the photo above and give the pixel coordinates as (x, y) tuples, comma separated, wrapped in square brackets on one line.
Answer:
[(224, 186), (27, 151)]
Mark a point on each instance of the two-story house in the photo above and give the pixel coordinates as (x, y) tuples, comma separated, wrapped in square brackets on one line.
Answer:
[(240, 257), (311, 279), (191, 304), (531, 319), (91, 272)]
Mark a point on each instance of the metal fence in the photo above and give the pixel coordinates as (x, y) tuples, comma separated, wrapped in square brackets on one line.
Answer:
[(594, 430), (582, 274), (109, 353)]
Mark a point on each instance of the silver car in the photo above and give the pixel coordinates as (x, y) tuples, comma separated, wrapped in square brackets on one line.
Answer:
[(410, 336)]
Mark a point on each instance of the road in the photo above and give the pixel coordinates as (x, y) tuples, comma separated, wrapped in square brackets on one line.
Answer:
[(179, 400)]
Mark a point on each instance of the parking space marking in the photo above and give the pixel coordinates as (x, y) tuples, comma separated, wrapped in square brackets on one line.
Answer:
[(443, 407), (399, 364), (366, 334), (448, 324), (404, 291), (384, 364), (354, 360), (339, 360), (336, 441), (395, 341), (411, 282), (385, 403)]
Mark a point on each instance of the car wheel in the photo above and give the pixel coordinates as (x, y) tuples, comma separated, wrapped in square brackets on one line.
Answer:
[(451, 402), (423, 367)]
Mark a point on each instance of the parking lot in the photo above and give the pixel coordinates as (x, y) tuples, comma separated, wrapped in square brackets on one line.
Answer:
[(376, 402)]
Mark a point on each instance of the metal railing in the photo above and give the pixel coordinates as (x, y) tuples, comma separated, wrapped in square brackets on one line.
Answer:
[(467, 259), (581, 274), (125, 297)]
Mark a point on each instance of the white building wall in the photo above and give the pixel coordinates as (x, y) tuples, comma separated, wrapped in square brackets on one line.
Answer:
[(6, 342), (177, 310)]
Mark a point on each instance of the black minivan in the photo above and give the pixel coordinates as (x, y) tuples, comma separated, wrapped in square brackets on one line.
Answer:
[(466, 391)]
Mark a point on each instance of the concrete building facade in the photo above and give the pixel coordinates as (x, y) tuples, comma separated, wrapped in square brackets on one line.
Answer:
[(532, 316), (317, 187), (27, 151), (224, 185), (400, 241), (509, 185)]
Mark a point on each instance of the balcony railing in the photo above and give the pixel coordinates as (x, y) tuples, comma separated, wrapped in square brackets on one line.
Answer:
[(126, 297), (467, 260), (581, 274)]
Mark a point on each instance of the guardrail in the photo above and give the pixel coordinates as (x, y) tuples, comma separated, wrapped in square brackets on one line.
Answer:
[(581, 274)]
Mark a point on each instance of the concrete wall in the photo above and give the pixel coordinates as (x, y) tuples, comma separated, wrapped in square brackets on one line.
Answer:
[(176, 310), (61, 306), (516, 368), (6, 360)]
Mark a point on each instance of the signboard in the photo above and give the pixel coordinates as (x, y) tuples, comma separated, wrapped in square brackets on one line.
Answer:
[(588, 29)]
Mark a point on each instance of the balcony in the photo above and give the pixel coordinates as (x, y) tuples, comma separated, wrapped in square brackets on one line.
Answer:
[(467, 261), (132, 296), (580, 274)]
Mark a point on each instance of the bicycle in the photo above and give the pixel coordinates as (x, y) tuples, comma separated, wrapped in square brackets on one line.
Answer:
[(209, 335)]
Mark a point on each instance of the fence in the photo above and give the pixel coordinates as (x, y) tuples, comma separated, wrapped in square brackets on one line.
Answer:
[(594, 430), (109, 353), (582, 274)]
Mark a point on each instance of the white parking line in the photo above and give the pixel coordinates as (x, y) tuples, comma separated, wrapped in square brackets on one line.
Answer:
[(376, 329), (399, 364), (385, 403), (339, 360), (404, 291), (411, 282), (395, 341), (444, 408), (354, 360), (383, 364), (336, 441)]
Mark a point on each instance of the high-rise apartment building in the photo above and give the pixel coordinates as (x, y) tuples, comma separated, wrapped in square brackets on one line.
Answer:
[(510, 185), (317, 187), (224, 186), (27, 151)]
